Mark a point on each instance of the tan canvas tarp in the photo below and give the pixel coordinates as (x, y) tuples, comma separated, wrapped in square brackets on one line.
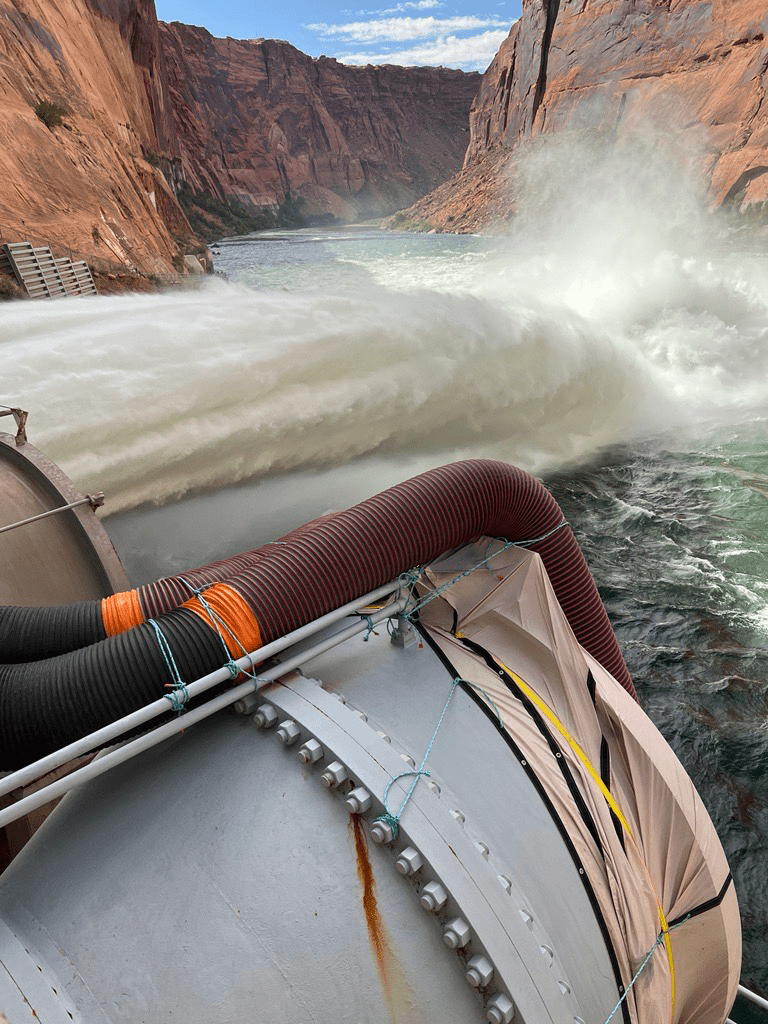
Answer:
[(654, 856)]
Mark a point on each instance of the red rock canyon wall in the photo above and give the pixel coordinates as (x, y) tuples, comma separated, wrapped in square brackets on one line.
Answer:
[(256, 119), (694, 69), (84, 185)]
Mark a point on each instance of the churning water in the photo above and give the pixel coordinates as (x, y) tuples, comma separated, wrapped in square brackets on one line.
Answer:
[(616, 344)]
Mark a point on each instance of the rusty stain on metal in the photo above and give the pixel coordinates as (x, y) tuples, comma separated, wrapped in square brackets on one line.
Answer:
[(397, 992), (373, 920)]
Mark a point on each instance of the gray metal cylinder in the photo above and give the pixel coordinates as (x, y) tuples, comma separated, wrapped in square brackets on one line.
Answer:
[(218, 878)]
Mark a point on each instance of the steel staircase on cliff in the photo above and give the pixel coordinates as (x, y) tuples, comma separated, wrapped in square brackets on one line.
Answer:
[(43, 276)]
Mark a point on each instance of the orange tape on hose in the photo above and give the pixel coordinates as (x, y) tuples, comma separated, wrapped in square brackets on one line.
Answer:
[(121, 612), (236, 622)]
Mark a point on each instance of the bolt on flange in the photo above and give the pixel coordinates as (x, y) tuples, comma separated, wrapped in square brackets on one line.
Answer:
[(500, 1009), (409, 861), (479, 971), (457, 933), (288, 732), (359, 801), (265, 717), (334, 775), (433, 897), (311, 752)]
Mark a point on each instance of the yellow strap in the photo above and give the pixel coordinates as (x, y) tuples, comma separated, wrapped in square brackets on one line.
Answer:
[(552, 717), (546, 710)]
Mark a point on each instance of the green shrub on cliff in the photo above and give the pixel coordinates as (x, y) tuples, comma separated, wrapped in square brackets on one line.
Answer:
[(51, 114), (211, 218), (289, 213)]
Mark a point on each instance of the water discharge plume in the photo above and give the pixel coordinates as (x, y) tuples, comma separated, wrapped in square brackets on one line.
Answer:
[(604, 211), (155, 396), (612, 312), (620, 235)]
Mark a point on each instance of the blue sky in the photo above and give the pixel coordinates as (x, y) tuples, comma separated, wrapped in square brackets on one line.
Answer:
[(453, 33)]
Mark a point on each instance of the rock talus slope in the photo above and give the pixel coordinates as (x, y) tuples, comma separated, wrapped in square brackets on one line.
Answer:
[(693, 69), (83, 185), (257, 119)]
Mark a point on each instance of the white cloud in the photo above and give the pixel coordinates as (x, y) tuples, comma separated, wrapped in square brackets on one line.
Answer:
[(471, 53), (418, 5), (403, 29)]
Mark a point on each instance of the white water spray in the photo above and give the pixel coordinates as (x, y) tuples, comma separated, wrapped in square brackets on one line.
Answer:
[(588, 327)]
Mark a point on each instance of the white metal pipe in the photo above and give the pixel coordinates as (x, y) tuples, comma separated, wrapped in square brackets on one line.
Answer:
[(109, 733), (753, 997), (94, 500), (190, 718)]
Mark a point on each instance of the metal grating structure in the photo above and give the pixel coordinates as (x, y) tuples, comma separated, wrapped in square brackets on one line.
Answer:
[(42, 275)]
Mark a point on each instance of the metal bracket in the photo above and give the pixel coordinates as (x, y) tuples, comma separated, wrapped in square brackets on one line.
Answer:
[(403, 634), (20, 415)]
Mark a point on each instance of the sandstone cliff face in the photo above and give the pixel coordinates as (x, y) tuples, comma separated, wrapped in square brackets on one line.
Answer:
[(256, 119), (84, 184), (696, 69), (253, 120)]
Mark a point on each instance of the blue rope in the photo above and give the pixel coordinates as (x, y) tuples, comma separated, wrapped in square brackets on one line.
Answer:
[(641, 968), (393, 818), (370, 629), (544, 536), (412, 577), (432, 594), (643, 965), (180, 694), (488, 697), (438, 591)]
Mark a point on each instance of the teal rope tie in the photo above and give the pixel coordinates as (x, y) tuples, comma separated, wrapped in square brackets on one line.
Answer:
[(369, 630), (179, 695), (643, 965), (216, 619), (438, 591), (407, 581), (392, 818), (479, 689), (411, 578), (544, 536)]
